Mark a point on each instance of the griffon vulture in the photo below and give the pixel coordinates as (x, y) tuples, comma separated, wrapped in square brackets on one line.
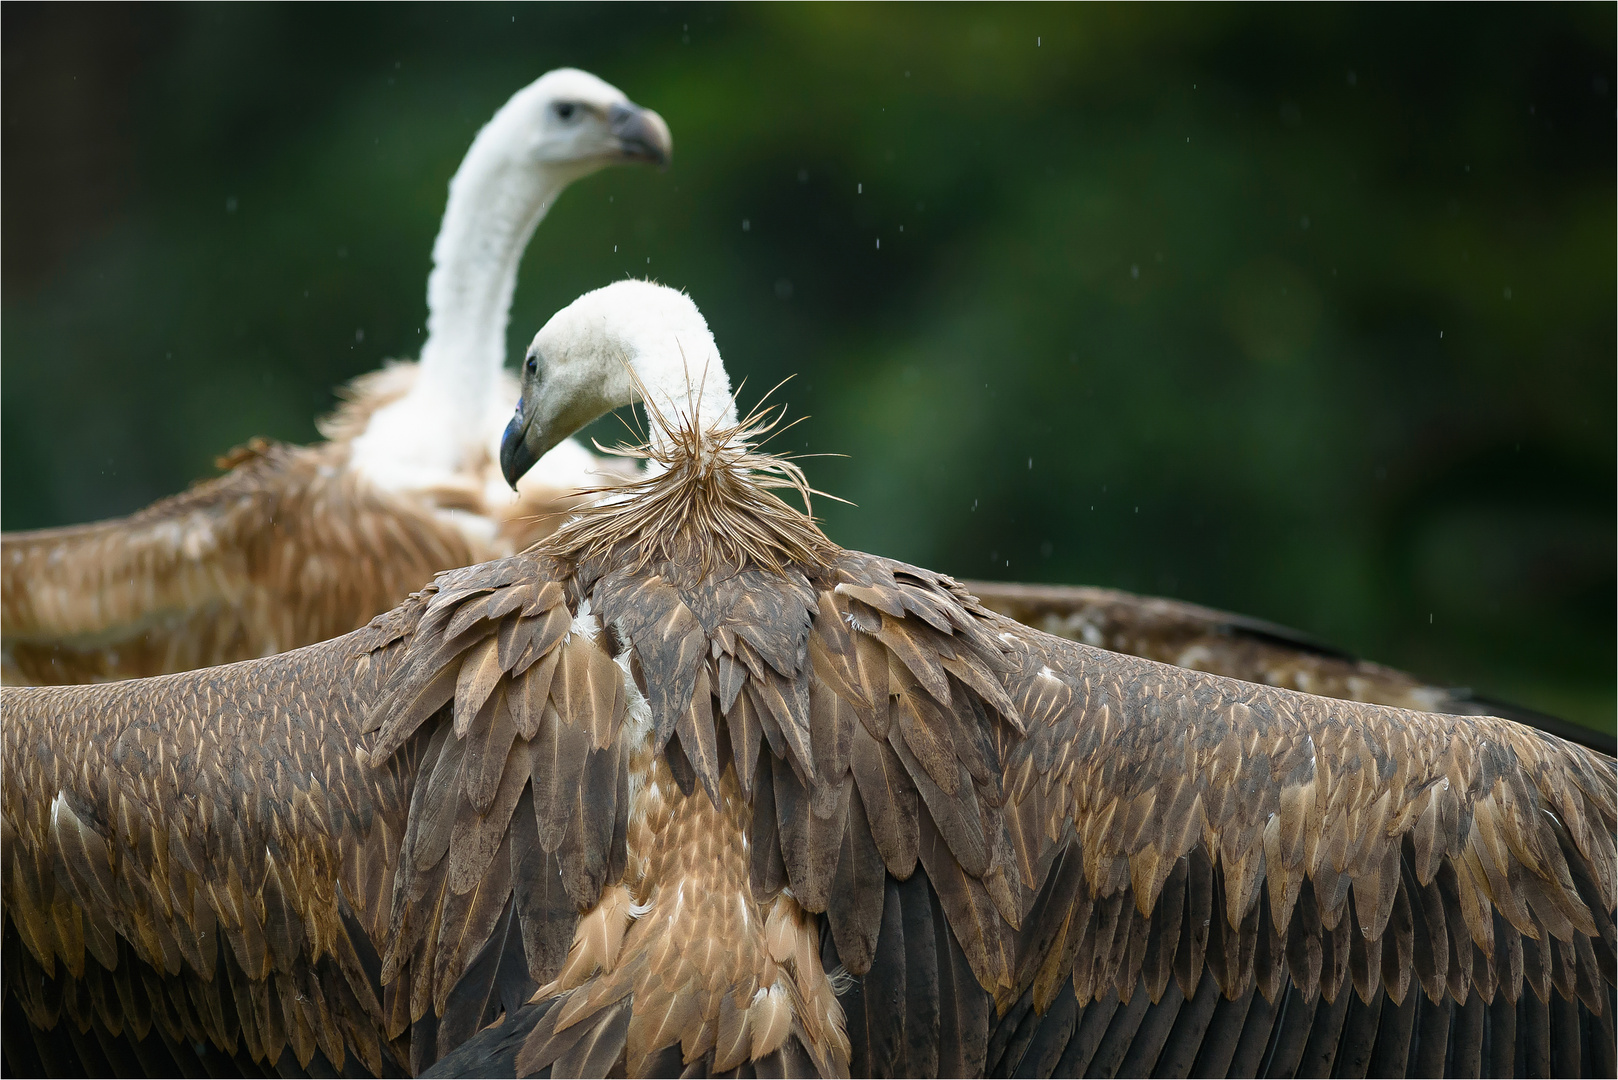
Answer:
[(690, 789), (294, 545)]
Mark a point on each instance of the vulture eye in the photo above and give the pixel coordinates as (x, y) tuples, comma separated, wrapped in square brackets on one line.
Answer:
[(565, 110), (532, 365)]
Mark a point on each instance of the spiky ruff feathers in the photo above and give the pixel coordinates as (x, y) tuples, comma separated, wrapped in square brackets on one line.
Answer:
[(710, 495)]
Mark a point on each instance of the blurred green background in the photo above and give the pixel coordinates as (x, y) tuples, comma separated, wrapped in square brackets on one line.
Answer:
[(1303, 312)]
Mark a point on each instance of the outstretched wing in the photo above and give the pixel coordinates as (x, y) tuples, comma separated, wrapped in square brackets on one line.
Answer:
[(286, 549), (1029, 854), (214, 859), (201, 857), (1207, 839), (1238, 647)]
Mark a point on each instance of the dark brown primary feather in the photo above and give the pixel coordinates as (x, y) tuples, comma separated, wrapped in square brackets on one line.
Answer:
[(1393, 785)]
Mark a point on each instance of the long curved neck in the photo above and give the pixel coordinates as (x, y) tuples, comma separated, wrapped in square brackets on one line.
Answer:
[(495, 204)]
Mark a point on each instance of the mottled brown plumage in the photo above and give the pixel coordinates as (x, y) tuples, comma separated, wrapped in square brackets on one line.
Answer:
[(646, 787)]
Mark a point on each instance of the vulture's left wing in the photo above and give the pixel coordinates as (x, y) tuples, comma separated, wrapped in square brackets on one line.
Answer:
[(1389, 882), (210, 864)]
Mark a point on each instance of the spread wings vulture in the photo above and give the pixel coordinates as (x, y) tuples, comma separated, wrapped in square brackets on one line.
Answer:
[(297, 544), (691, 789)]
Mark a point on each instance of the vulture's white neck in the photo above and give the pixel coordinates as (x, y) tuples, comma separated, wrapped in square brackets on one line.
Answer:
[(494, 207), (442, 427)]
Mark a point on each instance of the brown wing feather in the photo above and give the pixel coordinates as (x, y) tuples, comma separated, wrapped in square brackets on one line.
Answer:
[(219, 803), (286, 549), (1081, 823), (1346, 842), (1204, 828)]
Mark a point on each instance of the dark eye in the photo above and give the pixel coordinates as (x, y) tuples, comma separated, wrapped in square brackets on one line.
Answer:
[(565, 110), (532, 365)]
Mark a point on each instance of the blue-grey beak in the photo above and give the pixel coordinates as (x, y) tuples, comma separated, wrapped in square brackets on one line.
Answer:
[(642, 135), (515, 457)]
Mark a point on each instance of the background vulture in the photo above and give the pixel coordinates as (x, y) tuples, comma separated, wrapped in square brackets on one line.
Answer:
[(297, 544), (719, 795), (1239, 647)]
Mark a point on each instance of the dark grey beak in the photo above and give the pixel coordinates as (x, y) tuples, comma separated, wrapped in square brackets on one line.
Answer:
[(642, 135), (515, 457)]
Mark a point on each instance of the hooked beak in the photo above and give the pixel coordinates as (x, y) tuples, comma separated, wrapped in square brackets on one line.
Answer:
[(642, 135), (515, 456)]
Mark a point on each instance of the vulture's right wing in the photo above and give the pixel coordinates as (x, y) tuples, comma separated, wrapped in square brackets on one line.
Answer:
[(199, 860), (286, 549), (1238, 647)]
